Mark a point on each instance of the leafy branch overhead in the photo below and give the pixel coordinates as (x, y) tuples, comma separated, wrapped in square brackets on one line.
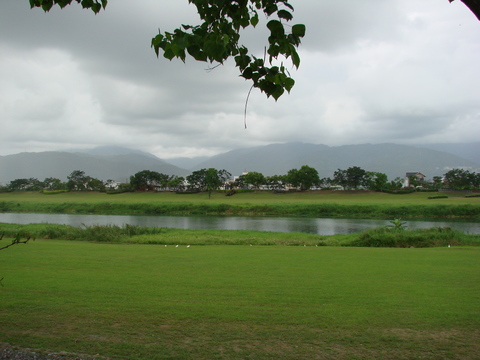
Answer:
[(218, 38)]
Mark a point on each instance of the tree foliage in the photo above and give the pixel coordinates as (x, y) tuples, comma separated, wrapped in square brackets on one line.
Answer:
[(207, 180), (303, 178), (147, 180), (352, 178), (217, 38), (462, 179), (254, 179)]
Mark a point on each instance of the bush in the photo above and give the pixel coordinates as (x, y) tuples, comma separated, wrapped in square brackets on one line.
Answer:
[(389, 237), (438, 197), (53, 192)]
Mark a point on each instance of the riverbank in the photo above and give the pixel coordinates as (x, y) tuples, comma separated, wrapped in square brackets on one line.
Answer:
[(339, 204), (391, 236)]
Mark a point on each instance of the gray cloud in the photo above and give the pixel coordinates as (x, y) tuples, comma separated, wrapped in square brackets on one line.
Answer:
[(375, 71)]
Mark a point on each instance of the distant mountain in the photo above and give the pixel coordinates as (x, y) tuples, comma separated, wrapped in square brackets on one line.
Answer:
[(187, 163), (113, 151), (56, 164), (391, 159), (118, 163), (469, 151)]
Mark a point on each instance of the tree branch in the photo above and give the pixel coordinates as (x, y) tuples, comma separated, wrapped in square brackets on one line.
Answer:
[(473, 5), (16, 240)]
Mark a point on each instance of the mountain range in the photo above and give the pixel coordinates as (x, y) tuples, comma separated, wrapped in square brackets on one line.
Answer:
[(118, 163)]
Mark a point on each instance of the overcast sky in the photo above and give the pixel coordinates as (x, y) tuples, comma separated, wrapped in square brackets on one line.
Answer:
[(372, 71)]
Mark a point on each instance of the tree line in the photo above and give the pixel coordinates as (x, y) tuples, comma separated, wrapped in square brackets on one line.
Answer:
[(209, 180)]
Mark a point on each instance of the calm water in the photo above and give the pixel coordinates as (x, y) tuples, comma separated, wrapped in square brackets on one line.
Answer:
[(306, 225)]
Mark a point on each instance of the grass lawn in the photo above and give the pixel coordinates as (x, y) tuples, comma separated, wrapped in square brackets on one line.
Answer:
[(246, 198), (128, 301)]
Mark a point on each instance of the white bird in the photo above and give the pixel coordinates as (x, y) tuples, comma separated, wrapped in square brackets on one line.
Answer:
[(448, 245), (165, 245), (176, 246), (188, 245)]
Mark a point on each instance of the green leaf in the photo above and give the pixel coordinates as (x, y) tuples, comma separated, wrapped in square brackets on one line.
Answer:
[(254, 20), (284, 14), (289, 82), (299, 30), (276, 28), (295, 59)]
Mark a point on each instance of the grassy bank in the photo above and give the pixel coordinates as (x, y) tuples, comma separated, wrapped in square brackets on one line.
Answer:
[(314, 204), (238, 302), (128, 234)]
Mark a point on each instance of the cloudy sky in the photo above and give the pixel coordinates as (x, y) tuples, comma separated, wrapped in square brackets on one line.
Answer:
[(372, 71)]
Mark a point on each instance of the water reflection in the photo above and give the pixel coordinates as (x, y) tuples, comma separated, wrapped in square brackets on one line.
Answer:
[(306, 225)]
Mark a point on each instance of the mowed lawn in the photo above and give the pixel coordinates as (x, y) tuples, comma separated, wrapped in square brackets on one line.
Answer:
[(248, 198), (241, 302)]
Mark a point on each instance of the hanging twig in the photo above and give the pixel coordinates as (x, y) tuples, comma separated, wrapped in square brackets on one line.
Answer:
[(245, 110)]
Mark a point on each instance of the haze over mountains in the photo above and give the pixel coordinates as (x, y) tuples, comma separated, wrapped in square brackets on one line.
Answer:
[(119, 163)]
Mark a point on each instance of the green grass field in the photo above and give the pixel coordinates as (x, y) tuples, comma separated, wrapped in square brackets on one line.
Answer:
[(358, 204), (308, 197), (128, 301)]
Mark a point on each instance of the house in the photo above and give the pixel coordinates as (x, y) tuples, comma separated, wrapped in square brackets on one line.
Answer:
[(418, 178)]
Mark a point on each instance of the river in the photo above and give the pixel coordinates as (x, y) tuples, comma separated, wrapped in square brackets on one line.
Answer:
[(319, 226)]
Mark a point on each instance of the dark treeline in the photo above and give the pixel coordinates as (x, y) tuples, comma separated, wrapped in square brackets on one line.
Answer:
[(208, 180)]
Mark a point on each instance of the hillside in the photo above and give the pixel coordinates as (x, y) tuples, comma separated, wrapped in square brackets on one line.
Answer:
[(394, 160), (61, 164), (119, 163)]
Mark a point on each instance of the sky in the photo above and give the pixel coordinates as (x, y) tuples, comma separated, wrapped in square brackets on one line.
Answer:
[(372, 71)]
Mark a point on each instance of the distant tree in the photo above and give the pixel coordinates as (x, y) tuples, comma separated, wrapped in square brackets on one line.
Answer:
[(30, 184), (239, 182), (325, 182), (357, 177), (212, 181), (376, 180), (303, 178), (77, 180), (51, 183), (147, 180), (276, 182), (254, 178), (461, 179), (196, 180), (177, 183), (437, 182), (94, 184), (352, 178), (396, 183), (208, 180), (340, 178)]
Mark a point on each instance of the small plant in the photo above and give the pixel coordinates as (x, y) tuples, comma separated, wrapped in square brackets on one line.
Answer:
[(397, 224)]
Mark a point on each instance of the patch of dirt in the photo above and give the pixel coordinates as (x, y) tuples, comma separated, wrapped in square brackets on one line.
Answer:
[(8, 352)]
